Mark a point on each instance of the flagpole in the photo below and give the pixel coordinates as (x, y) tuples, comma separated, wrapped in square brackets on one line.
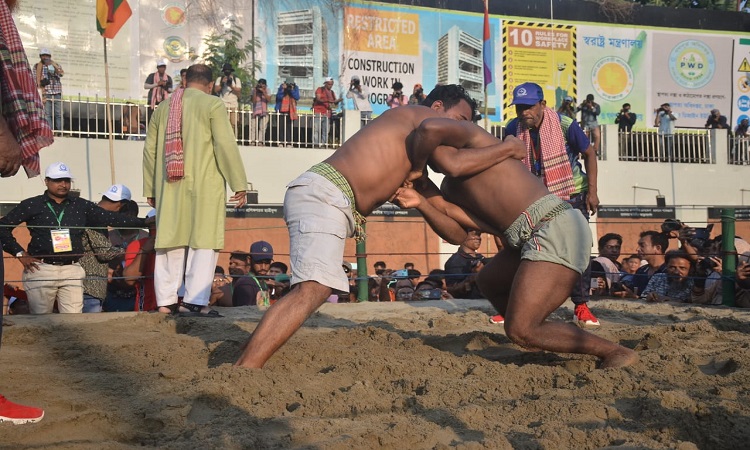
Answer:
[(109, 115), (486, 110), (485, 59)]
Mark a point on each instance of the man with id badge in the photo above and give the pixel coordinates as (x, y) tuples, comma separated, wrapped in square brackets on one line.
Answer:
[(56, 221)]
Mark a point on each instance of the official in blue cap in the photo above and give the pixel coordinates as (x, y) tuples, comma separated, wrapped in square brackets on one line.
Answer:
[(555, 145)]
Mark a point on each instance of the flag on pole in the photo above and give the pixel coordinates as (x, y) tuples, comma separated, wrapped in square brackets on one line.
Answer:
[(486, 48), (111, 15)]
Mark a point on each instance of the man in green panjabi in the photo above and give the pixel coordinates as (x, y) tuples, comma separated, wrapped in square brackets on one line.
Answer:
[(189, 157)]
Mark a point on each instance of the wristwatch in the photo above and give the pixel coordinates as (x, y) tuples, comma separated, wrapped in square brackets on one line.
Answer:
[(19, 254)]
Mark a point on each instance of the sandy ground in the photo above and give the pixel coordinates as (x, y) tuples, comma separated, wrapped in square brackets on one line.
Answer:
[(429, 375)]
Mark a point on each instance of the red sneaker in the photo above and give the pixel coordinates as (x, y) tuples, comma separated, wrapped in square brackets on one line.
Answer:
[(18, 414), (497, 319), (583, 315)]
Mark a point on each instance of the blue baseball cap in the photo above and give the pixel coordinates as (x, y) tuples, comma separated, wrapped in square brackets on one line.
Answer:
[(527, 94), (261, 250)]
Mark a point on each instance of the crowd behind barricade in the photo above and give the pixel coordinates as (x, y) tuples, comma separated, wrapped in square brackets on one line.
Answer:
[(676, 263)]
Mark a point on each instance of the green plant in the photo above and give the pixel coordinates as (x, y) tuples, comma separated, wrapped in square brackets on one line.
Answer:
[(229, 47)]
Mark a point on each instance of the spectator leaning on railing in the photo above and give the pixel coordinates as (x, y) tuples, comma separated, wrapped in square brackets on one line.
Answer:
[(286, 105), (159, 86), (324, 103), (228, 87), (48, 74), (258, 126)]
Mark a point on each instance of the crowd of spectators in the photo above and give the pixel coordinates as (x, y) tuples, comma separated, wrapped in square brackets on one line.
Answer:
[(117, 266)]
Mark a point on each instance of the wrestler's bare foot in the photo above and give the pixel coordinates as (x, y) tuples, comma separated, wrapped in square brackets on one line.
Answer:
[(622, 357)]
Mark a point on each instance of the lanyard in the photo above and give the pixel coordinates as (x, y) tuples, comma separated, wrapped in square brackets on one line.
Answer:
[(58, 217), (536, 160)]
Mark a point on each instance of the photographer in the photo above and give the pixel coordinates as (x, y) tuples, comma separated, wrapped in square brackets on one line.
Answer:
[(418, 95), (324, 103), (590, 110), (716, 120), (287, 97), (708, 286), (228, 88), (676, 284), (359, 96), (48, 74), (259, 124), (664, 121), (397, 98), (625, 119), (462, 267), (568, 108)]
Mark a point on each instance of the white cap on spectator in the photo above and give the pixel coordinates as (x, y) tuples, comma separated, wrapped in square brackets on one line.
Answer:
[(118, 193), (44, 51), (329, 79), (151, 213), (57, 170), (161, 62)]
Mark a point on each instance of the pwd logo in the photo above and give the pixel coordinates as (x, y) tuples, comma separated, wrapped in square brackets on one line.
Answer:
[(692, 64)]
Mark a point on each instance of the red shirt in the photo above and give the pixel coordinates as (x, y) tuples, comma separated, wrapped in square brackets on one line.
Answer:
[(323, 99), (145, 297)]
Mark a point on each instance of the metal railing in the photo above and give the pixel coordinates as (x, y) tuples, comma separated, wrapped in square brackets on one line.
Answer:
[(684, 146), (87, 119), (739, 150)]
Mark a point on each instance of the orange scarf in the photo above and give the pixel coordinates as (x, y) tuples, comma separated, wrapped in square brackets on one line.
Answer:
[(289, 105)]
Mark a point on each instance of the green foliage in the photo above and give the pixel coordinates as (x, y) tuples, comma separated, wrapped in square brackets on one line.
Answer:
[(228, 47)]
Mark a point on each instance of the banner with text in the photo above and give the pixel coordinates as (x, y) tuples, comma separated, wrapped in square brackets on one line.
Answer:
[(693, 74), (612, 66), (741, 81), (541, 53)]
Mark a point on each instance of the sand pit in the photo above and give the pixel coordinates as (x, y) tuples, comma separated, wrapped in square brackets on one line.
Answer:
[(429, 375)]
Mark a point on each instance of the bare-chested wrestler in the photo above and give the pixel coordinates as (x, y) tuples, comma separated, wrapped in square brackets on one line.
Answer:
[(330, 201), (547, 244)]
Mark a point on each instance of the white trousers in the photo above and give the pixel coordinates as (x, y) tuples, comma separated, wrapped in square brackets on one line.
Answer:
[(49, 283), (195, 265)]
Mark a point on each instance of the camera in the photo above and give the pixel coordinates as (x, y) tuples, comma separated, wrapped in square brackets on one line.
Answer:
[(698, 236), (477, 261), (45, 82), (706, 265), (670, 225), (428, 294), (419, 91), (701, 236), (397, 93), (355, 82)]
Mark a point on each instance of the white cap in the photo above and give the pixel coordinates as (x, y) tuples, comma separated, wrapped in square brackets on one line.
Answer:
[(329, 79), (44, 51), (151, 213), (161, 62), (57, 170), (118, 193)]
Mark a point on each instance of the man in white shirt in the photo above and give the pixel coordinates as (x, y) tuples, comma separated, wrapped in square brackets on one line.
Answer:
[(229, 87)]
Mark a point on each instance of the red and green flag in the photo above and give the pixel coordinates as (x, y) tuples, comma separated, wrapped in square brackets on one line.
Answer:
[(111, 15)]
